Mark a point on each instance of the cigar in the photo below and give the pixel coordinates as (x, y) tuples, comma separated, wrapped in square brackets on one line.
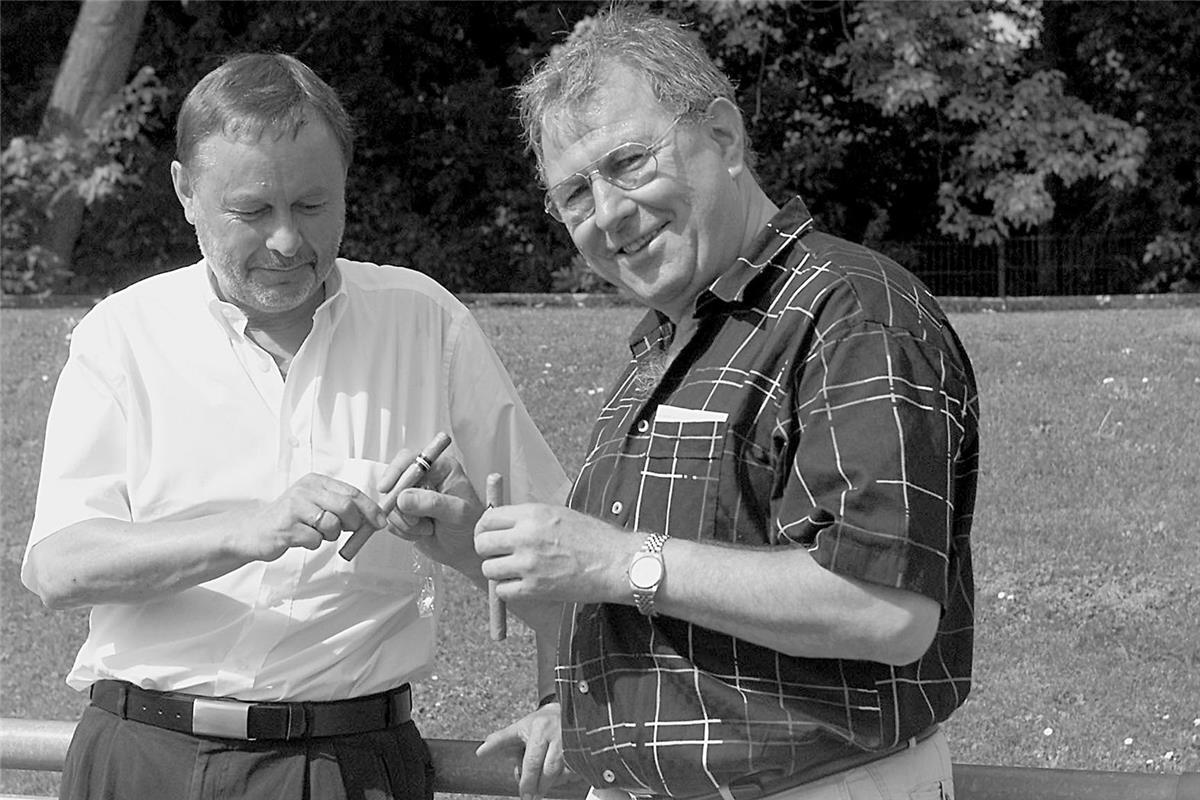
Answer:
[(409, 478), (497, 613)]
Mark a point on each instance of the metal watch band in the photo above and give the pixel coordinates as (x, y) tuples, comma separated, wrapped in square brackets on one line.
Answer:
[(644, 598), (654, 542)]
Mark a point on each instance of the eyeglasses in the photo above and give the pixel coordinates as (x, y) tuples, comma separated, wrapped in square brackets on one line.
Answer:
[(628, 166)]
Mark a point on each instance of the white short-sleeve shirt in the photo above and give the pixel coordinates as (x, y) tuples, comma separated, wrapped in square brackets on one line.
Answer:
[(165, 410)]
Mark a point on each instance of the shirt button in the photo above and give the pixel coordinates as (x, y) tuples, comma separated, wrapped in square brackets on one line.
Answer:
[(616, 507), (608, 775), (643, 426), (293, 441), (583, 687)]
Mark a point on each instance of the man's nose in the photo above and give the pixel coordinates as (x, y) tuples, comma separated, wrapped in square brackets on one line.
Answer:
[(285, 237), (613, 204)]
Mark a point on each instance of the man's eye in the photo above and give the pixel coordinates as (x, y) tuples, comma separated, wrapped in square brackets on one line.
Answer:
[(575, 193), (249, 213), (627, 160), (311, 208)]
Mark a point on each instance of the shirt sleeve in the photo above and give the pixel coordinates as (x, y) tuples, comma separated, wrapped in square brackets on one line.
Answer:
[(83, 462), (881, 417), (492, 429)]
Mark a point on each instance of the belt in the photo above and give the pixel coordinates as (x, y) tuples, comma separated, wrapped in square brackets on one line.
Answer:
[(225, 718)]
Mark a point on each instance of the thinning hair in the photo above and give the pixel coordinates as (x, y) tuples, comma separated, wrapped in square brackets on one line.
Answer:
[(255, 93), (680, 73)]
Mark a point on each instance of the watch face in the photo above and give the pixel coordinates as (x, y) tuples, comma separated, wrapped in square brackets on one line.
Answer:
[(645, 571)]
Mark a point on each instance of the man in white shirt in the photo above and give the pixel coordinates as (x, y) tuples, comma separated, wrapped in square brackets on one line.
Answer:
[(214, 434)]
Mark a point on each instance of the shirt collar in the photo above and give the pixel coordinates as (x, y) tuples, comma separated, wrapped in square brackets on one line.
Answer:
[(233, 319), (769, 249), (733, 286)]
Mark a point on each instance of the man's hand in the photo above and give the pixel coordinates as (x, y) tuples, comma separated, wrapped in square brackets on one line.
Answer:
[(547, 552), (313, 510), (438, 517), (536, 740)]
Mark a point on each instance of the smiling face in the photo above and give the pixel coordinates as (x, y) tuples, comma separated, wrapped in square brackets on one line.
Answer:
[(269, 216), (670, 238)]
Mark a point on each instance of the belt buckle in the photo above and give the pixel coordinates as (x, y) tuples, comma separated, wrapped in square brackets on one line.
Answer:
[(227, 719)]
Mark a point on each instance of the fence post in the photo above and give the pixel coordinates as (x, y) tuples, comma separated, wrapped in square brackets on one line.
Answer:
[(1001, 270)]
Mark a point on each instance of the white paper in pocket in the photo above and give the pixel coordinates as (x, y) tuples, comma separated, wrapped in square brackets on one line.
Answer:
[(665, 413)]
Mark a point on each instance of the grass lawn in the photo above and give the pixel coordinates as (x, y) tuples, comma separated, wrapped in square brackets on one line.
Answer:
[(1087, 534)]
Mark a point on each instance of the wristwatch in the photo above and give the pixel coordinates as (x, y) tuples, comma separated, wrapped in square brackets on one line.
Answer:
[(646, 572)]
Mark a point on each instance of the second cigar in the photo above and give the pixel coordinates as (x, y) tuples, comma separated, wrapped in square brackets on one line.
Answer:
[(497, 612)]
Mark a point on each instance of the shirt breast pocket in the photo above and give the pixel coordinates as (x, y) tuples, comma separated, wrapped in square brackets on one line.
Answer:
[(385, 561), (681, 478)]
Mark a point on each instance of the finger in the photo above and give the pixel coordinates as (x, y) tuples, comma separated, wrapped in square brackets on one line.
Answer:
[(553, 767), (496, 518), (353, 508), (409, 528), (531, 768), (395, 468), (498, 741), (444, 508), (414, 468), (493, 543), (326, 523), (494, 570)]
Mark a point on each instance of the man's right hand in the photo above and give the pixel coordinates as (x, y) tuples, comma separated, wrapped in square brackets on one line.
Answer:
[(313, 510), (105, 560)]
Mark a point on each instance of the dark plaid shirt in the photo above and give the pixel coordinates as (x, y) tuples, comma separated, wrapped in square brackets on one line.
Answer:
[(824, 402)]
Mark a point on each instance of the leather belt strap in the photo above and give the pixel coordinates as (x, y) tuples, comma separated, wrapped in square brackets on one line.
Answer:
[(226, 718)]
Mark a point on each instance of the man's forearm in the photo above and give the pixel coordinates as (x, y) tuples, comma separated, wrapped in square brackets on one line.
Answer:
[(812, 612), (110, 561), (545, 619)]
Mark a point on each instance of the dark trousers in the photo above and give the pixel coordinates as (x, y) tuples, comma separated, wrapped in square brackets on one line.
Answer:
[(115, 759)]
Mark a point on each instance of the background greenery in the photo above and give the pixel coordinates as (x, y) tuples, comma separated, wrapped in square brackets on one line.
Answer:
[(1086, 536), (896, 121)]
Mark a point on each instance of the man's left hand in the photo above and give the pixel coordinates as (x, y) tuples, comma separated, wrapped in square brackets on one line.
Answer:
[(544, 552), (439, 516), (537, 741)]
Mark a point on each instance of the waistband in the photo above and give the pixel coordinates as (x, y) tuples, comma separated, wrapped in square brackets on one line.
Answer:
[(767, 783), (225, 718)]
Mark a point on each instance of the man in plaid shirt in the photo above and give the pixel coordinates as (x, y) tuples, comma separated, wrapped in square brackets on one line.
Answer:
[(766, 557)]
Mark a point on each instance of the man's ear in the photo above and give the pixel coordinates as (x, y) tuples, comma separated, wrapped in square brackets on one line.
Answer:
[(725, 122), (185, 190)]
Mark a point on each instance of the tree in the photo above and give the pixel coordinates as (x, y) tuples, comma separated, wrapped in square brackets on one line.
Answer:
[(93, 71), (895, 121), (1141, 61), (1012, 135)]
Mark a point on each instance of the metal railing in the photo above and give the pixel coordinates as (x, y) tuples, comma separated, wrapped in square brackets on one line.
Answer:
[(41, 745), (1022, 266)]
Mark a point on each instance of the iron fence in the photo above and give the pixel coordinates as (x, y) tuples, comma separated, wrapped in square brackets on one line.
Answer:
[(1024, 266)]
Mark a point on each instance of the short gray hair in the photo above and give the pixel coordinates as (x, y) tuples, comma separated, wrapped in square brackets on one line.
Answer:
[(681, 74), (254, 93)]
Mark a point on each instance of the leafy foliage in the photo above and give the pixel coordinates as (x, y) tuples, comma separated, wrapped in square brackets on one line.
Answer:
[(95, 166), (1173, 260), (978, 119), (1140, 61), (1014, 134)]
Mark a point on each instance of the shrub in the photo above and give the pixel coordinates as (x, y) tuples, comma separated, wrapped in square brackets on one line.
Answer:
[(37, 173), (1173, 263)]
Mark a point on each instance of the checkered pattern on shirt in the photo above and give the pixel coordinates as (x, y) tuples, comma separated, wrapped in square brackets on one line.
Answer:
[(845, 423)]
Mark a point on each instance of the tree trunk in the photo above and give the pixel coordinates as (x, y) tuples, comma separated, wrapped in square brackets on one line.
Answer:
[(92, 71)]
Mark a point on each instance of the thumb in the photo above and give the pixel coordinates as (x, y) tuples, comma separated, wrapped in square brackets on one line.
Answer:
[(418, 502)]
